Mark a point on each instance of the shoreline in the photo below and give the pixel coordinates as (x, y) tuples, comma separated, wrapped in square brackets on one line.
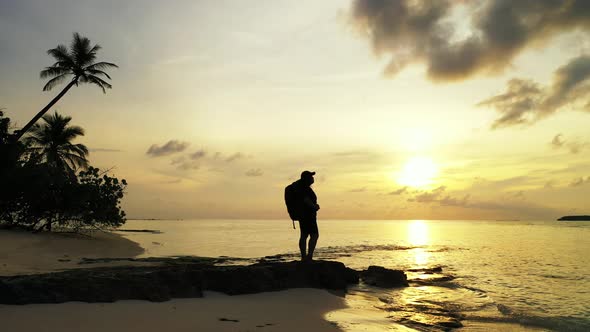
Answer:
[(342, 316), (23, 255)]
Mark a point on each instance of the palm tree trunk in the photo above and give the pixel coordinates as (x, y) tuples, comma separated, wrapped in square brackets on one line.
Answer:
[(21, 132)]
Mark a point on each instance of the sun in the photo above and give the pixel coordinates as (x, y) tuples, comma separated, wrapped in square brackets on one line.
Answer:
[(418, 172)]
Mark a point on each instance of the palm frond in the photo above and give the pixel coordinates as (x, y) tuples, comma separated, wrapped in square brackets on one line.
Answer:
[(62, 55), (102, 65), (70, 133), (54, 71), (55, 81), (98, 72), (98, 81), (57, 120), (74, 160), (95, 49), (52, 141), (82, 51), (79, 149), (33, 141)]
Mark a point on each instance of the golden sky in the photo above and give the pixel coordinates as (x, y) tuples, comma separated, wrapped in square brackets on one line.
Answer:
[(405, 109)]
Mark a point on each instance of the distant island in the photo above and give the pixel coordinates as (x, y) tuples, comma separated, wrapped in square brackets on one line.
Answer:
[(574, 218)]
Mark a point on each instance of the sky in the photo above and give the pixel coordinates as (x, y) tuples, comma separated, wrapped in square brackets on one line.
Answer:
[(405, 109)]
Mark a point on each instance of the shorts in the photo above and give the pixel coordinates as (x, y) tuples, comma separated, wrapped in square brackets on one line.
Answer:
[(308, 226)]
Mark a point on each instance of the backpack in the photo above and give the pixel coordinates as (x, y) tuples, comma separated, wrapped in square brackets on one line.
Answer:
[(292, 201)]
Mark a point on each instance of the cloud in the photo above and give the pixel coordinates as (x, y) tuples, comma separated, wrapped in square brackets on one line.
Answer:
[(173, 146), (201, 157), (493, 33), (399, 191), (573, 146), (557, 141), (198, 154), (526, 102), (358, 190), (580, 181), (513, 203), (234, 157), (438, 196), (254, 172), (185, 164)]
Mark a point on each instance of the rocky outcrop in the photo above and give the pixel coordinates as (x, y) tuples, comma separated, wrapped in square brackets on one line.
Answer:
[(384, 278), (161, 283), (574, 218)]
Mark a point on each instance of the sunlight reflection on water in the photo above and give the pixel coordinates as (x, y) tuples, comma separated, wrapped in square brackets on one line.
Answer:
[(418, 236)]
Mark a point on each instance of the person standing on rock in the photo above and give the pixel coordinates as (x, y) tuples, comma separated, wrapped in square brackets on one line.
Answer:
[(302, 204)]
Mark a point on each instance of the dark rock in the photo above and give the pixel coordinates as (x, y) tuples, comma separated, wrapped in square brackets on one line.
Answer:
[(574, 218), (450, 323), (161, 283), (432, 270), (385, 278)]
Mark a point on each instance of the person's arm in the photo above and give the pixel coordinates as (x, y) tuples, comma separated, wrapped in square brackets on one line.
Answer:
[(309, 202)]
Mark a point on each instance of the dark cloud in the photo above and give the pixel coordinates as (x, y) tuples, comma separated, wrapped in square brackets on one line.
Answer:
[(254, 172), (173, 146), (201, 157), (573, 146), (513, 203), (426, 31), (185, 163), (399, 191), (557, 141), (234, 157), (198, 154), (526, 102), (439, 196)]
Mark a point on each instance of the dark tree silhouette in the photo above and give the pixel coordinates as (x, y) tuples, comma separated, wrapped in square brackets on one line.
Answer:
[(52, 142), (77, 63)]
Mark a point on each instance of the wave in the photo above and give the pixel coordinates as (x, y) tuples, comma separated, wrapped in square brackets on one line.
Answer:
[(555, 323)]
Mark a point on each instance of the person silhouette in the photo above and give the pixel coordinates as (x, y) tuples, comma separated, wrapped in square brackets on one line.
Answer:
[(308, 203)]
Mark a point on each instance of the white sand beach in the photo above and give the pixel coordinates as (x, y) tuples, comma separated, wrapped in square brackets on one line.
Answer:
[(26, 253), (290, 310)]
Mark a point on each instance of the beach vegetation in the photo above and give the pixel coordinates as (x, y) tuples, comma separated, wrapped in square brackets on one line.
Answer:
[(51, 143), (47, 181)]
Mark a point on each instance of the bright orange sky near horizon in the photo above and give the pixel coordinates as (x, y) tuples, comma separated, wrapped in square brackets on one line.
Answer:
[(236, 98)]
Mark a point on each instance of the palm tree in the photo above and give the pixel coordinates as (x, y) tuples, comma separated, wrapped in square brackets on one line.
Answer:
[(78, 63), (51, 141)]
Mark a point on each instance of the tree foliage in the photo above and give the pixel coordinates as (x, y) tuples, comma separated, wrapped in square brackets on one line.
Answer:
[(52, 142), (37, 195), (78, 63)]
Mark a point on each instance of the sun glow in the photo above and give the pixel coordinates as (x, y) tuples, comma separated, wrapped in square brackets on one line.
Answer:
[(418, 172), (418, 236), (418, 233)]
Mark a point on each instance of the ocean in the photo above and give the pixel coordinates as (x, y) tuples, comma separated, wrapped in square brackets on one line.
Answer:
[(496, 275)]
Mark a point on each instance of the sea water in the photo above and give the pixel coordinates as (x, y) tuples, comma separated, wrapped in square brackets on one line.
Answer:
[(496, 275)]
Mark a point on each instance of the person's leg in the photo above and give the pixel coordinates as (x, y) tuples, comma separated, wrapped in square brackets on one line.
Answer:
[(303, 239), (313, 239), (302, 242)]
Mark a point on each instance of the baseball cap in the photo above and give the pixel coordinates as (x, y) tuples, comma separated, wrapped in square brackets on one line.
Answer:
[(305, 174)]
